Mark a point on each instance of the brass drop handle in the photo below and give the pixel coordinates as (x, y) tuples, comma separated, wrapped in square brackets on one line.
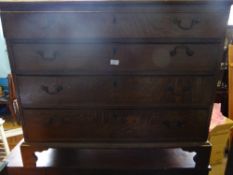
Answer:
[(179, 23), (187, 50), (46, 56), (52, 91)]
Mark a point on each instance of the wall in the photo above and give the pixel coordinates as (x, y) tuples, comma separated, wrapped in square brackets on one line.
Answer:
[(4, 62), (230, 21)]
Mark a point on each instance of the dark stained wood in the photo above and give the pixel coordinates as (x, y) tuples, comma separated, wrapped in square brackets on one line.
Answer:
[(116, 5), (53, 171), (61, 161), (66, 58), (107, 159), (116, 77), (113, 25), (115, 125), (68, 91)]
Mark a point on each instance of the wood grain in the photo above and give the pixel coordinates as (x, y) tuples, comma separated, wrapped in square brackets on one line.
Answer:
[(113, 24), (95, 58), (59, 53), (115, 125)]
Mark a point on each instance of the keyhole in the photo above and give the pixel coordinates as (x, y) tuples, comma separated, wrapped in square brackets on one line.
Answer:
[(170, 89), (115, 115), (187, 89), (114, 50), (51, 120), (179, 124), (114, 20), (115, 83)]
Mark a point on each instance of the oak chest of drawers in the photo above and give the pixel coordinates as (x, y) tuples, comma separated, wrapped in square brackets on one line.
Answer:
[(115, 72)]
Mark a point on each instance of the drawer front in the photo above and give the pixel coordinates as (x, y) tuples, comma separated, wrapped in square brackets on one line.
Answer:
[(68, 58), (114, 25), (25, 171), (167, 171), (114, 90), (116, 125)]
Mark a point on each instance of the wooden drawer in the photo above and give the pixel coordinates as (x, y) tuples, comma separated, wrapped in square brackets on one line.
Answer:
[(67, 58), (18, 170), (100, 24), (132, 171), (165, 171), (116, 125), (76, 91)]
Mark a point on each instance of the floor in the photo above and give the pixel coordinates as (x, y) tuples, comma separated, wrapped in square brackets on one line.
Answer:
[(13, 131), (9, 123)]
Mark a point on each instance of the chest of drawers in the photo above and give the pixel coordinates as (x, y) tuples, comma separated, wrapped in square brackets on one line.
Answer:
[(115, 72)]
